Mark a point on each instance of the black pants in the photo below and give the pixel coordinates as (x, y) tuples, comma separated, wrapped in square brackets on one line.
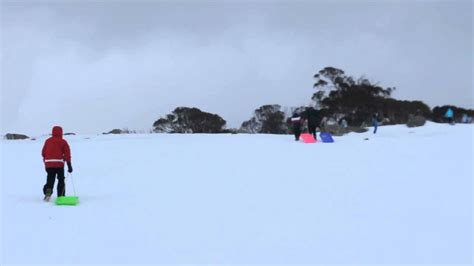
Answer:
[(297, 132), (52, 174), (312, 130)]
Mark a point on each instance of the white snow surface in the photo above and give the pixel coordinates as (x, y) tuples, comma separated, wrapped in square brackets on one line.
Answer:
[(402, 196)]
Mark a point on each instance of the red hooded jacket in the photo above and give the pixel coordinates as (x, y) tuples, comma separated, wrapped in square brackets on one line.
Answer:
[(56, 150)]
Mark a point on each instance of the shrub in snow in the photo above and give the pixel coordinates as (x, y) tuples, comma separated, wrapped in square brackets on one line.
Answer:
[(357, 99), (189, 120), (357, 129), (332, 127), (416, 121), (120, 131), (115, 131), (268, 119), (13, 136)]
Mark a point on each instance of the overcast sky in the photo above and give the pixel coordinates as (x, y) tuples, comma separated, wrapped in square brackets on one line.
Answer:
[(92, 66)]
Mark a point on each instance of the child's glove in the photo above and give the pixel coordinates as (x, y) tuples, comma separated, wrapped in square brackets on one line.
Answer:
[(69, 167)]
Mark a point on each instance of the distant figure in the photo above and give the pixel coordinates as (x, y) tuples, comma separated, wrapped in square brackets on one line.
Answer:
[(323, 123), (296, 124), (449, 115), (55, 153), (343, 123), (312, 117), (469, 120), (375, 122)]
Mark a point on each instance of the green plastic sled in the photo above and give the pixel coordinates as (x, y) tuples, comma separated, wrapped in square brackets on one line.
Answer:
[(69, 200)]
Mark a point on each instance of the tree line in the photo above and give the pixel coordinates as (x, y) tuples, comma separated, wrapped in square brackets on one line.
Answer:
[(337, 96)]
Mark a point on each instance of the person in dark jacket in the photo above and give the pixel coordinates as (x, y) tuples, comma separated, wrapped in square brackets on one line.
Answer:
[(55, 153), (375, 122), (312, 116), (296, 124)]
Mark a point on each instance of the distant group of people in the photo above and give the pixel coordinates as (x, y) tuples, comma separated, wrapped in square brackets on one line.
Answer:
[(466, 119), (449, 116), (315, 121), (311, 117)]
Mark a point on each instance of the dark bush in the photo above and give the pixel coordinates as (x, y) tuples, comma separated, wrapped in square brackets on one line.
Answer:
[(416, 121), (358, 99), (230, 131), (14, 136), (189, 120), (357, 129), (115, 131), (267, 119)]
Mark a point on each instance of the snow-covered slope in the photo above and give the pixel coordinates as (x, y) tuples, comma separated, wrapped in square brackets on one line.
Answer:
[(403, 196)]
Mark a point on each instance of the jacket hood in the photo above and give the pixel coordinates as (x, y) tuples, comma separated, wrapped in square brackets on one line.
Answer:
[(57, 131)]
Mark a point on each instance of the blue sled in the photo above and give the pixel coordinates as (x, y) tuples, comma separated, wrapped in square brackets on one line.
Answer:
[(326, 137)]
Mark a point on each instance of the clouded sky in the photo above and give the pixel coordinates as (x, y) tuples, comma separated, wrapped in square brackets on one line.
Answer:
[(91, 66)]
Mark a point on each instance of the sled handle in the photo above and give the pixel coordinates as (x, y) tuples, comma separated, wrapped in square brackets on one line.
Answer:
[(72, 181)]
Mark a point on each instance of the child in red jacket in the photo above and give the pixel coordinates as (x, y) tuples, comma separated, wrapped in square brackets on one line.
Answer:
[(55, 153)]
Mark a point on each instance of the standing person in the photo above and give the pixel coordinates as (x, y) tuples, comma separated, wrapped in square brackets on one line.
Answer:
[(296, 124), (313, 119), (375, 122), (55, 152), (343, 122), (323, 124), (449, 115)]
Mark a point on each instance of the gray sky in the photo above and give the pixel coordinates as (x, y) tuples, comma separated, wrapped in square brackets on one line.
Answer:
[(91, 66)]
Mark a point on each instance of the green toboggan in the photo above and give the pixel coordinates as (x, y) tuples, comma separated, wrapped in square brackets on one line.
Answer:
[(68, 200)]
